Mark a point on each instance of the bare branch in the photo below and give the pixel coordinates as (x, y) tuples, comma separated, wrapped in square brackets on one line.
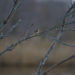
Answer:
[(48, 52), (54, 42), (12, 46), (59, 63), (9, 31), (61, 42), (66, 14), (15, 6)]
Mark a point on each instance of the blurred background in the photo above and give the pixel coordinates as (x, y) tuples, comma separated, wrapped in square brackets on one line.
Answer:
[(25, 58)]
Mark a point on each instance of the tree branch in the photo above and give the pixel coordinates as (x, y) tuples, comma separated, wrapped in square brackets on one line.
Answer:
[(59, 63), (3, 35), (54, 42), (15, 6)]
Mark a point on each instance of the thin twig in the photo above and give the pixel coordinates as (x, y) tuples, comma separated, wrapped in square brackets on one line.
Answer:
[(10, 30), (66, 14), (15, 6), (59, 63), (61, 42), (12, 46)]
